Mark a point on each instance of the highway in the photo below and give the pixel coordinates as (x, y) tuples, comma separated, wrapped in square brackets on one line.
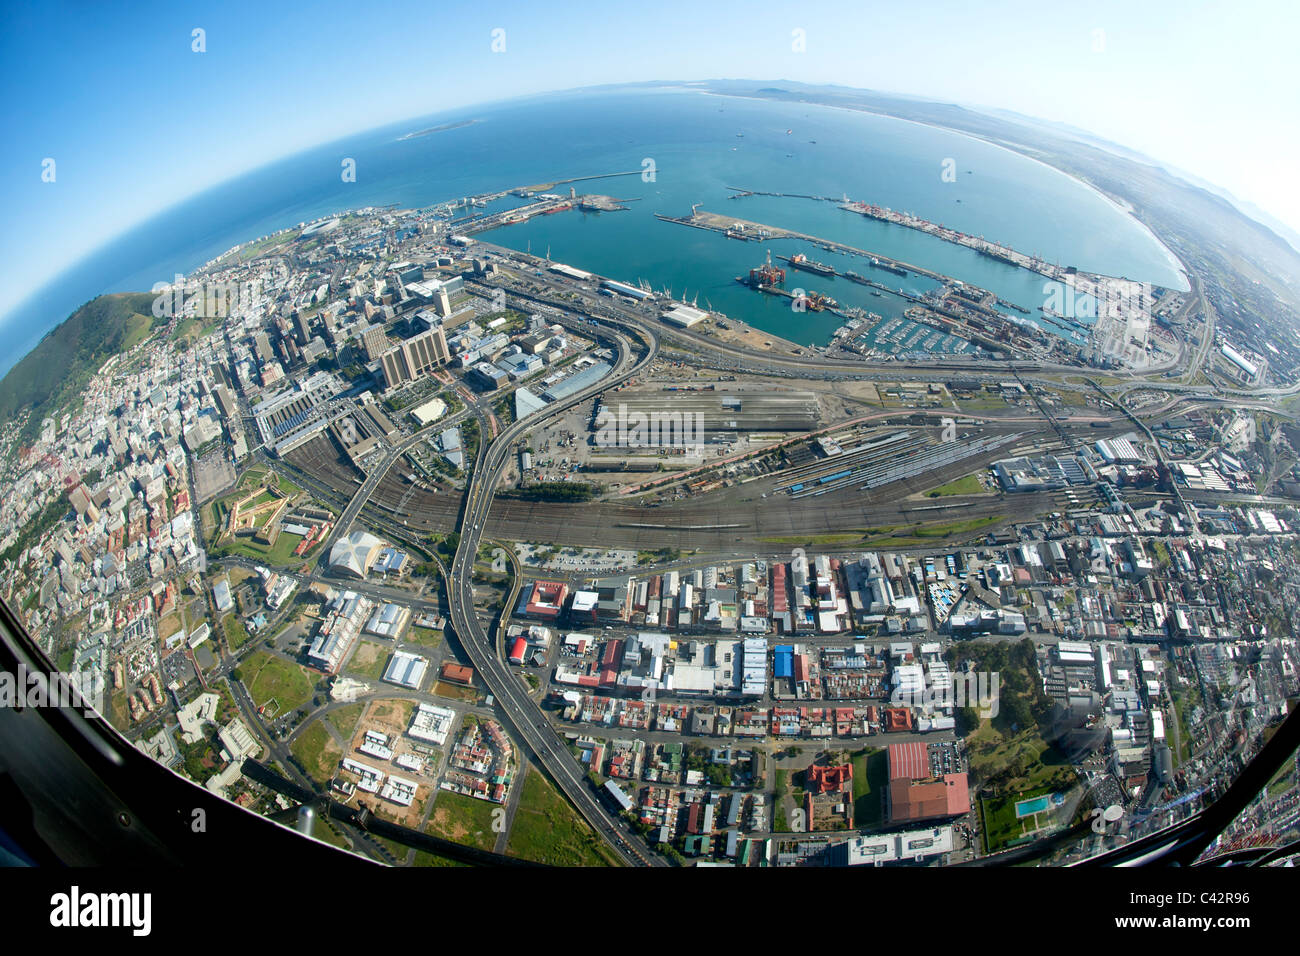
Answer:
[(521, 712)]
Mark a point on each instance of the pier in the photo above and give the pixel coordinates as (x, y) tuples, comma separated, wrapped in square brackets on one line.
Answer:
[(729, 225)]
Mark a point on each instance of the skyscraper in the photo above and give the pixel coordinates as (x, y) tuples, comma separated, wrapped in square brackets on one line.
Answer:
[(414, 357)]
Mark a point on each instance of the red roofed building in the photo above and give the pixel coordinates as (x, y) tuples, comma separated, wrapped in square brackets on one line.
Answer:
[(909, 762), (801, 668), (913, 801), (780, 595), (829, 779), (610, 660), (828, 791), (897, 719), (518, 650), (458, 673), (546, 600)]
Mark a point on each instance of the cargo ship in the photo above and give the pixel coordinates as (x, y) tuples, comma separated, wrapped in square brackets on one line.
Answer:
[(863, 280), (800, 261), (888, 267)]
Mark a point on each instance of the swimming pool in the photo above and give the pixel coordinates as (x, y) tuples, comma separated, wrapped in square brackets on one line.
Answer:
[(1034, 805)]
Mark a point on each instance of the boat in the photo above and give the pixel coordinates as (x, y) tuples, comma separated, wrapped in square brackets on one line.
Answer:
[(876, 263), (816, 302), (800, 261)]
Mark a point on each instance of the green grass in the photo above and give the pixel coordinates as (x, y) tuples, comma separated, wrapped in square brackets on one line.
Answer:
[(270, 678), (1000, 824), (316, 751), (424, 636), (464, 820), (345, 718), (236, 635), (547, 830), (870, 778), (1184, 703), (279, 554), (966, 485), (428, 859)]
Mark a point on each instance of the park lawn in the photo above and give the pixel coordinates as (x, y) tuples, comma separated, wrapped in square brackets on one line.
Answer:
[(424, 636), (983, 403), (966, 485), (121, 712), (990, 750), (1042, 770), (317, 752), (464, 820), (345, 718), (269, 678), (870, 777), (1185, 701), (1001, 827), (236, 635), (279, 554), (325, 832), (547, 829), (368, 660)]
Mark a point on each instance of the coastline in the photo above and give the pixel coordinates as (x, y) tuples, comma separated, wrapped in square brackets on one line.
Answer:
[(1118, 203)]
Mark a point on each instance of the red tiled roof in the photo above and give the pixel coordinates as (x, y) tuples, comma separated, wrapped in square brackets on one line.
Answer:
[(828, 779)]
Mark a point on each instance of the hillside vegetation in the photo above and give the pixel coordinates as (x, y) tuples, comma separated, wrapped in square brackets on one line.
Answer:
[(56, 372)]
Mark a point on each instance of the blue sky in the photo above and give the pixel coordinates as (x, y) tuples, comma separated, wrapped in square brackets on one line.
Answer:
[(136, 121)]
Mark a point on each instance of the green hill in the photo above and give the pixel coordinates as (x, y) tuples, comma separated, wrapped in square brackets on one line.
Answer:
[(54, 373)]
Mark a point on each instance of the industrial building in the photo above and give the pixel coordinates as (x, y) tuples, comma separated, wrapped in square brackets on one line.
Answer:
[(685, 316), (406, 670)]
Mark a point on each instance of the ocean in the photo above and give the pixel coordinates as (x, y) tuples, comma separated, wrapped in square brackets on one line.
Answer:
[(700, 144)]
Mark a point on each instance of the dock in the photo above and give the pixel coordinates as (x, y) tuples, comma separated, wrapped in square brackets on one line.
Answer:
[(729, 225)]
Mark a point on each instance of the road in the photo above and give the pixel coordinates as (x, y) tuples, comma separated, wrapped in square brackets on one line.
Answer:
[(521, 711)]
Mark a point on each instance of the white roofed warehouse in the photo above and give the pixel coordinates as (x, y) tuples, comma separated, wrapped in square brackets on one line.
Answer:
[(355, 554)]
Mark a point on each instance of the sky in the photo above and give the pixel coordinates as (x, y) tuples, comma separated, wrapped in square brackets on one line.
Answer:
[(135, 119)]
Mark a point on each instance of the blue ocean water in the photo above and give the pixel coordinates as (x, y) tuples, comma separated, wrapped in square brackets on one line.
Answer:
[(700, 144)]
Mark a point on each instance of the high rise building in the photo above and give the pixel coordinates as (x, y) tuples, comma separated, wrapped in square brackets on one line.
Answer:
[(262, 345), (301, 330), (414, 357), (374, 341), (442, 302)]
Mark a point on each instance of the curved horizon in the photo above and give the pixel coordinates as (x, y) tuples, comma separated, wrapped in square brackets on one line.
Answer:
[(127, 281)]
